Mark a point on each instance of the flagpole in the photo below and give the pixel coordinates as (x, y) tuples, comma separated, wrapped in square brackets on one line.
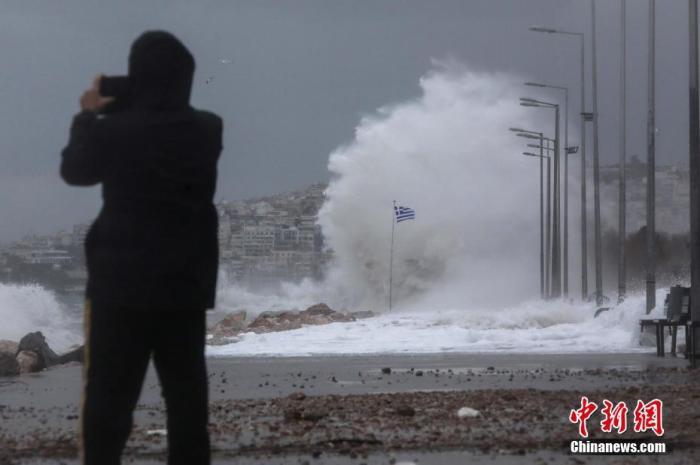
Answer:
[(391, 252)]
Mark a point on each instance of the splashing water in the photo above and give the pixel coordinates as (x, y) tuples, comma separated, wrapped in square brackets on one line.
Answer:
[(534, 327), (29, 308), (448, 154), (466, 270)]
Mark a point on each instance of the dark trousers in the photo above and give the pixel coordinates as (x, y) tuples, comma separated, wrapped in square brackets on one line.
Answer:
[(119, 344)]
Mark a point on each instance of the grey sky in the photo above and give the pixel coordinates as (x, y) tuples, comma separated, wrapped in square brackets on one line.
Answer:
[(303, 73)]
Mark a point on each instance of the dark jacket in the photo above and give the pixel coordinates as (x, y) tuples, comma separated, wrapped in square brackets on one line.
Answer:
[(154, 243)]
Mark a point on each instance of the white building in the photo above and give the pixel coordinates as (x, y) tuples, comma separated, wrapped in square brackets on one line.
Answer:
[(258, 240)]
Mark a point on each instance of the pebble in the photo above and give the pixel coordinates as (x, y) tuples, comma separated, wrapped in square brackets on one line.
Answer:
[(467, 412)]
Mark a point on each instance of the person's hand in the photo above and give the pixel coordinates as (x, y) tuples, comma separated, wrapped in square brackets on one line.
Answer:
[(91, 100)]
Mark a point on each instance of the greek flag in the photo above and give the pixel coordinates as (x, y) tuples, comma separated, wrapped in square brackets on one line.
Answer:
[(404, 213)]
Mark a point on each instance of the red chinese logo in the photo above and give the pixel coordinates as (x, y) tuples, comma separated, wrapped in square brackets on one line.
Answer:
[(647, 416), (582, 415), (614, 417)]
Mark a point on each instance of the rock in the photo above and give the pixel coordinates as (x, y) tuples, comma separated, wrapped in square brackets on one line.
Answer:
[(319, 309), (292, 415), (405, 411), (313, 415), (323, 314), (467, 412), (231, 325), (29, 362), (36, 342), (319, 314), (8, 347), (34, 354), (275, 321), (299, 395), (8, 364)]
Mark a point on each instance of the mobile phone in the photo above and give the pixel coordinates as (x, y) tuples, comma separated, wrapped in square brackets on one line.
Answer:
[(114, 86)]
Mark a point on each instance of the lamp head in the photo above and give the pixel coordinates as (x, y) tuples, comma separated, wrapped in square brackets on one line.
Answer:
[(548, 30)]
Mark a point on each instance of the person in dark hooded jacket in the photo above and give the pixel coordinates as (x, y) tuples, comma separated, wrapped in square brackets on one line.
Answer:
[(152, 252)]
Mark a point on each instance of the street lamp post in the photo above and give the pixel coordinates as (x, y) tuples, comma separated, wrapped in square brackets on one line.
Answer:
[(556, 231), (542, 258), (548, 221), (565, 180), (584, 243), (622, 174), (651, 168), (539, 135), (596, 169)]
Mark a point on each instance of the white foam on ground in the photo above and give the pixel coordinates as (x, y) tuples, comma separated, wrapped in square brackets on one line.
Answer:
[(537, 327)]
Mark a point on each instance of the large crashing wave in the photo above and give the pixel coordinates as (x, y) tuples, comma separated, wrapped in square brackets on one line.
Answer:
[(449, 155)]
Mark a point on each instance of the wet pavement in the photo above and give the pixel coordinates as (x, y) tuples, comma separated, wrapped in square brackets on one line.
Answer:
[(370, 409)]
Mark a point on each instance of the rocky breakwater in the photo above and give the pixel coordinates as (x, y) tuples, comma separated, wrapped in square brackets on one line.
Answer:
[(228, 328), (32, 354)]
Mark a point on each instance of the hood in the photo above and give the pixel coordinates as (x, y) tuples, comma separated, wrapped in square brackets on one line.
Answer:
[(160, 72)]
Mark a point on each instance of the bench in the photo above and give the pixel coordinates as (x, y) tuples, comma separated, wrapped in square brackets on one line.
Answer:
[(677, 310), (659, 324)]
